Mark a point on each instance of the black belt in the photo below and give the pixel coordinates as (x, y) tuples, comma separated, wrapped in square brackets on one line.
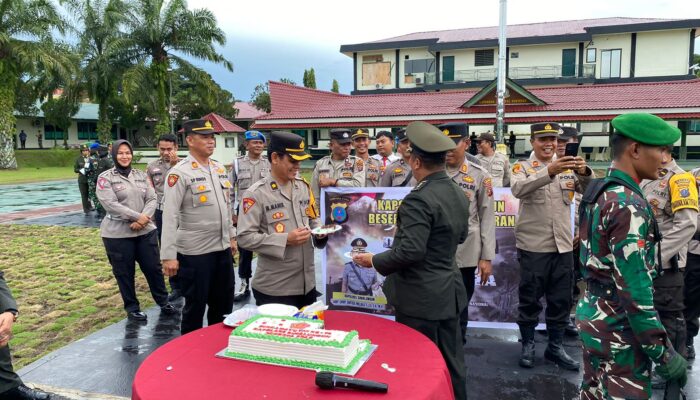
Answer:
[(606, 291)]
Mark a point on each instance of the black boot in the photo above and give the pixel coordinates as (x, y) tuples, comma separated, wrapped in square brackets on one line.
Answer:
[(244, 293), (527, 354), (555, 351), (571, 329), (690, 348)]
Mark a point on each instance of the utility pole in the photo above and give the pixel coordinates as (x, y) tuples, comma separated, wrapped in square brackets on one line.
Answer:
[(501, 78)]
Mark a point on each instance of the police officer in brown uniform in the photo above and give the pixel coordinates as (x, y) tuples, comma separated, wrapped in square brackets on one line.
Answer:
[(372, 166), (247, 170), (496, 163), (127, 231), (691, 285), (480, 247), (198, 233), (545, 186), (674, 200), (339, 169), (398, 173), (277, 215), (156, 171)]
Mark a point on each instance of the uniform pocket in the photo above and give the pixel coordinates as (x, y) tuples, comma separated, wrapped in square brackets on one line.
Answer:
[(201, 194)]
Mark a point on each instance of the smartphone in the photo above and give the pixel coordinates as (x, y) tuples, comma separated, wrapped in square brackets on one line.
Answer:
[(571, 149)]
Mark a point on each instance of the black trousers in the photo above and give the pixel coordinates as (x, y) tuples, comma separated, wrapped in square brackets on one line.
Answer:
[(548, 275), (23, 142), (691, 292), (8, 378), (468, 277), (446, 335), (245, 261), (206, 280), (123, 253), (158, 216), (297, 301), (84, 194), (668, 302)]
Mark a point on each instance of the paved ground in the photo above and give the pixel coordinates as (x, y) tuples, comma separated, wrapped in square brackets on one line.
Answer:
[(32, 196)]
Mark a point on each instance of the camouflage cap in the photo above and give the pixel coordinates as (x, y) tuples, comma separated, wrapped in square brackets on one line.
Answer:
[(646, 129)]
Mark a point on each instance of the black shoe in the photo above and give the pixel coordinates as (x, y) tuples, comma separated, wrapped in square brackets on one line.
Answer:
[(690, 351), (23, 392), (137, 316), (174, 295), (555, 351), (169, 309), (527, 353), (244, 293)]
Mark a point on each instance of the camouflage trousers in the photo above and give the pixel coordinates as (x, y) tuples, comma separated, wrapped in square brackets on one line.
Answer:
[(614, 365), (93, 197)]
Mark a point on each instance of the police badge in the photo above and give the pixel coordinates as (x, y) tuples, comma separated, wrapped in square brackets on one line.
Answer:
[(339, 212)]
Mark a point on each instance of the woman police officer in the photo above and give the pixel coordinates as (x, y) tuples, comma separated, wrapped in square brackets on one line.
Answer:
[(127, 231)]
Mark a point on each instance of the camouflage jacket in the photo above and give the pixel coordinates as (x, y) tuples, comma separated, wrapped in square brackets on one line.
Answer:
[(621, 252)]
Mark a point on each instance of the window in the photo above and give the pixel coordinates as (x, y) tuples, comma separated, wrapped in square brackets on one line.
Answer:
[(87, 131), (514, 54), (483, 58), (229, 142), (694, 126), (52, 133), (418, 66), (590, 55), (610, 63), (372, 58)]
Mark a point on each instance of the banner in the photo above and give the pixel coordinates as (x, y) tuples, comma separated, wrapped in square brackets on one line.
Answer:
[(370, 214)]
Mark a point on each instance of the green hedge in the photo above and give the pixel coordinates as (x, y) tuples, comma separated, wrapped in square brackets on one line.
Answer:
[(46, 158)]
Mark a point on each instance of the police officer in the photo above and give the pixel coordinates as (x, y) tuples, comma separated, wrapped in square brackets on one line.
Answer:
[(127, 231), (81, 167), (691, 286), (480, 247), (372, 166), (156, 171), (277, 215), (620, 330), (674, 200), (496, 163), (199, 239), (357, 279), (545, 186), (384, 142), (339, 169), (398, 173), (11, 385), (247, 170), (423, 282)]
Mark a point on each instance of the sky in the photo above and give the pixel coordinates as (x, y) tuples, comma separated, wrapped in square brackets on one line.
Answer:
[(269, 40)]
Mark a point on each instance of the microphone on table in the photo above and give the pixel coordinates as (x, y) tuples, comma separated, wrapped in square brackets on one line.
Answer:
[(329, 380)]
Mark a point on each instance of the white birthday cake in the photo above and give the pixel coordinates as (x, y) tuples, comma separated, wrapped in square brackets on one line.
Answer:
[(296, 342)]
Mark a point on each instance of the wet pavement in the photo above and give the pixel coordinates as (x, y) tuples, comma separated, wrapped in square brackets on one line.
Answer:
[(32, 196), (70, 218)]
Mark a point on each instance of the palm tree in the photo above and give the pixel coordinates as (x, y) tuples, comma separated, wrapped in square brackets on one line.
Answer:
[(160, 33), (101, 22), (26, 50)]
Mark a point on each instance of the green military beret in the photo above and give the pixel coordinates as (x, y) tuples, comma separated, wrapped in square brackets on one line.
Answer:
[(646, 128), (427, 138)]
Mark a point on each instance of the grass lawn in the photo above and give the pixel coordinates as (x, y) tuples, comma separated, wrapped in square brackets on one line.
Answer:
[(27, 175), (63, 285)]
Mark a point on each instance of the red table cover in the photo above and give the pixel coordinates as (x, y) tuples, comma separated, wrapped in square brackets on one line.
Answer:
[(196, 373)]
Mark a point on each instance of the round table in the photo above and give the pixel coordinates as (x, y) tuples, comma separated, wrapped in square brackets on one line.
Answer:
[(186, 367)]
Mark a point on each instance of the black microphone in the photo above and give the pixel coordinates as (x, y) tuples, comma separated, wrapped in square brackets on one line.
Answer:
[(329, 380)]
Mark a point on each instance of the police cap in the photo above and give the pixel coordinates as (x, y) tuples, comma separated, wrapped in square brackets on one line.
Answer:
[(428, 139), (360, 133), (545, 129), (567, 132), (358, 242), (342, 136), (288, 143), (646, 129), (199, 126), (401, 135), (255, 135), (455, 130)]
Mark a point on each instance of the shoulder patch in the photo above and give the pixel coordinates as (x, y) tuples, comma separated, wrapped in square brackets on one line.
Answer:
[(102, 182), (172, 179), (517, 168), (247, 203)]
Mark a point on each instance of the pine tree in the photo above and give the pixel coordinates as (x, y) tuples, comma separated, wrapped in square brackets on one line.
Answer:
[(335, 88)]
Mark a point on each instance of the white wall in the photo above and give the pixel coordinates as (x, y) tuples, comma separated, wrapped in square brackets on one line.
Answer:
[(609, 42), (388, 55), (661, 53)]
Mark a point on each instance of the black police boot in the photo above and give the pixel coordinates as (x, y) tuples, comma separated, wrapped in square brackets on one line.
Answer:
[(244, 293), (23, 392), (137, 316), (555, 351), (571, 329), (169, 309), (690, 348), (174, 295), (527, 354)]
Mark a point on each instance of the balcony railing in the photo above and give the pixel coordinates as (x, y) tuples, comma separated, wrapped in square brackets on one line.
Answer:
[(538, 72)]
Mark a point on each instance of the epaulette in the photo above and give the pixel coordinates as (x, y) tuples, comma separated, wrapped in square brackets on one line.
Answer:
[(257, 184), (420, 185), (477, 166)]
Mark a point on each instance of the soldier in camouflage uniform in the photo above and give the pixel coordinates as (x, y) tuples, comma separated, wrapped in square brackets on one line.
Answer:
[(103, 164), (620, 330), (91, 174)]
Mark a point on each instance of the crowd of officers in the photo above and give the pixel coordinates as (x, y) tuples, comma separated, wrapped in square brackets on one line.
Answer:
[(187, 218)]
